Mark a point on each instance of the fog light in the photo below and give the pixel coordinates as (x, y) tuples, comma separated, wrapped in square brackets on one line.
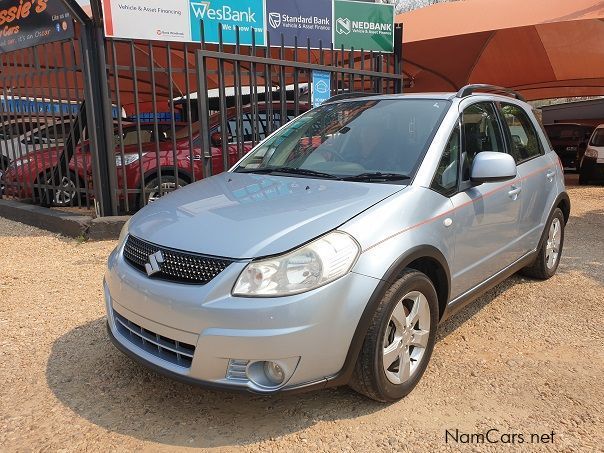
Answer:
[(271, 374), (274, 372)]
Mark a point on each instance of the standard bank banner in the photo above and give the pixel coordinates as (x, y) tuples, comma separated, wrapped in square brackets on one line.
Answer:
[(345, 23)]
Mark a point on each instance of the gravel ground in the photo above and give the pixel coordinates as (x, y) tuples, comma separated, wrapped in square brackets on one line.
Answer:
[(525, 358)]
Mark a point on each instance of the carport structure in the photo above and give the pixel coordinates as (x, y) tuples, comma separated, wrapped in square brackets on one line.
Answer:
[(540, 48)]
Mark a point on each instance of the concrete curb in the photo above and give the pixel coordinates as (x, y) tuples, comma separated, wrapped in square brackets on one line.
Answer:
[(65, 223)]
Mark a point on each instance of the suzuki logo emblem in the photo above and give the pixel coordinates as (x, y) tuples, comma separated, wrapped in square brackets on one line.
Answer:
[(153, 266), (274, 19), (343, 26)]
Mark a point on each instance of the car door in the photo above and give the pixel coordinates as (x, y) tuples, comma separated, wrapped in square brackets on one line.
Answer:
[(535, 168), (485, 216)]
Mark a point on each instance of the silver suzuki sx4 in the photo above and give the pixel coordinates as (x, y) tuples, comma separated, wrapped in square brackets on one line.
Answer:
[(330, 253)]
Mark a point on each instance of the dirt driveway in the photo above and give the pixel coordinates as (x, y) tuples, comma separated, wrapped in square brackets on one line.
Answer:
[(527, 358)]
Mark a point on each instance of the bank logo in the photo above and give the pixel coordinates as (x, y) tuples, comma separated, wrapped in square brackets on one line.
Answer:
[(200, 8), (154, 264), (321, 87), (343, 26), (274, 19)]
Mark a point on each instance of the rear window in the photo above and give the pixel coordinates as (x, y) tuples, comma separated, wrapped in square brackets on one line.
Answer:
[(598, 138), (566, 132)]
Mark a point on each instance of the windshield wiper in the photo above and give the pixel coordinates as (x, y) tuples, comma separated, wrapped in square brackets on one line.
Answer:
[(288, 170), (377, 176)]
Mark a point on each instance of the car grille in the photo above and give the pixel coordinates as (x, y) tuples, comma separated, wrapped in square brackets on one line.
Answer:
[(173, 351), (178, 266)]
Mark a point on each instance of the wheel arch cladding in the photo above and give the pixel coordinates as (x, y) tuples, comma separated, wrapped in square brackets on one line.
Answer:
[(424, 258), (563, 202)]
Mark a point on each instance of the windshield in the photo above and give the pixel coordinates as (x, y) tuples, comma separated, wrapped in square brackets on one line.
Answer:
[(366, 139), (598, 138), (566, 132)]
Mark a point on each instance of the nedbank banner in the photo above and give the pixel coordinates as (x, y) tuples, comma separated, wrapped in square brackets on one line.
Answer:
[(26, 23), (351, 24), (367, 26)]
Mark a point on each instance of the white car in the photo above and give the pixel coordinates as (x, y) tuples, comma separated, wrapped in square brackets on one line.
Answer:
[(592, 163)]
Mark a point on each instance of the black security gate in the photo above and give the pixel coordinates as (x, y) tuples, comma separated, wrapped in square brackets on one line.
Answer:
[(126, 121), (192, 110)]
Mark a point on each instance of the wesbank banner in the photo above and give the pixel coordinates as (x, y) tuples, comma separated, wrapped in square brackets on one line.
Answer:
[(352, 24), (367, 26), (248, 15)]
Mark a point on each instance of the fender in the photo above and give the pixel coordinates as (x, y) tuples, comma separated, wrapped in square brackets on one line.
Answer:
[(422, 251)]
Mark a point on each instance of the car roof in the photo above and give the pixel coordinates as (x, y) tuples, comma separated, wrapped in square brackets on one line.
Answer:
[(444, 96), (570, 124)]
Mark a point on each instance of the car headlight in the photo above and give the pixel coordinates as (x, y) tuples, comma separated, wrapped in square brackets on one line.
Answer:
[(591, 153), (128, 159), (19, 162), (123, 233), (308, 267)]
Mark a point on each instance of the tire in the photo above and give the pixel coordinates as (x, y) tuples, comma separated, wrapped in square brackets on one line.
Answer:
[(65, 196), (583, 177), (390, 383), (548, 255), (168, 182)]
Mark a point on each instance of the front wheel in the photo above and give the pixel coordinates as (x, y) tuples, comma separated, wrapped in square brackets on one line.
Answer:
[(548, 255), (400, 339), (154, 190)]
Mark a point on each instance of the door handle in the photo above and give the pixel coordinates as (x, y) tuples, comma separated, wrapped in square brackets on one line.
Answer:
[(550, 175), (514, 192)]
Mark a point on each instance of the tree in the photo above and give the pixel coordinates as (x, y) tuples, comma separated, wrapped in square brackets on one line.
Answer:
[(402, 6)]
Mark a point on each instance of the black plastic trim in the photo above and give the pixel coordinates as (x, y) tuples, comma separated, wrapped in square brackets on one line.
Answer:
[(426, 251)]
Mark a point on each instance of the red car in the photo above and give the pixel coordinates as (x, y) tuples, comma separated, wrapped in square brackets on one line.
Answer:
[(141, 166)]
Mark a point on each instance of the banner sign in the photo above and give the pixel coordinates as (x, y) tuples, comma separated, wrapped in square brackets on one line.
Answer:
[(304, 19), (367, 26), (26, 23), (247, 14), (358, 25), (321, 87)]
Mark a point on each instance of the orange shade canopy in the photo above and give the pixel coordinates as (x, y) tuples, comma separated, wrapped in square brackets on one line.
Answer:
[(541, 48)]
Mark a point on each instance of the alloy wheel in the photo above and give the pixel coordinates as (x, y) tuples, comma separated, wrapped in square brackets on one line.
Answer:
[(406, 337), (552, 247), (65, 194), (159, 190)]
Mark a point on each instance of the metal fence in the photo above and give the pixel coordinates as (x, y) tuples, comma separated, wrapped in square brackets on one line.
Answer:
[(138, 119), (42, 93)]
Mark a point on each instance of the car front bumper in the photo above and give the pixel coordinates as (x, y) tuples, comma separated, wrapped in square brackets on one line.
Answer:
[(309, 333)]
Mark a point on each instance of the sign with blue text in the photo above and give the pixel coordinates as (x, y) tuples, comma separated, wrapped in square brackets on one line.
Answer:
[(321, 87), (302, 19), (248, 15)]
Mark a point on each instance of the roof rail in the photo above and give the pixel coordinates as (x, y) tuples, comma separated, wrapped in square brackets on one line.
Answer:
[(471, 89), (343, 96)]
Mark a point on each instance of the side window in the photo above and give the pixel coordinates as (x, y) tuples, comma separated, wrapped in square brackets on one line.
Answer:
[(480, 132), (131, 137), (524, 140), (446, 176)]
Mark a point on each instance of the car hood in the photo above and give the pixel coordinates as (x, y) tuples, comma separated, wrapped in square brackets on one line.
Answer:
[(243, 215)]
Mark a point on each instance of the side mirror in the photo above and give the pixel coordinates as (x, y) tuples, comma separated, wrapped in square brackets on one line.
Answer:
[(491, 166), (216, 139)]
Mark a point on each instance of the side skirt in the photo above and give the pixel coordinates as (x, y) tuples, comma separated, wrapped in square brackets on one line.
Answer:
[(464, 299)]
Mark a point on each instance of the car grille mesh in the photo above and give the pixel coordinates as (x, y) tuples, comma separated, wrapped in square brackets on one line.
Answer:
[(173, 351), (178, 266)]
